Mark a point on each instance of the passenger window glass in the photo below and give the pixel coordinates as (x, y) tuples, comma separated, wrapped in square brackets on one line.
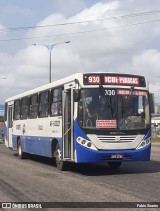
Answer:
[(33, 112), (43, 104), (16, 115), (56, 102), (24, 108)]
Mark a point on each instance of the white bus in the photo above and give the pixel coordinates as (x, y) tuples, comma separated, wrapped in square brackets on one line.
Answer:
[(83, 118)]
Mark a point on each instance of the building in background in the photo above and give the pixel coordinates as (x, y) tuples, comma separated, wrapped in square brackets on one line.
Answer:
[(155, 121)]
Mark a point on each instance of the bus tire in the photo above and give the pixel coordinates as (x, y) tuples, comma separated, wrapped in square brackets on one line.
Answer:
[(21, 154), (114, 165), (61, 164)]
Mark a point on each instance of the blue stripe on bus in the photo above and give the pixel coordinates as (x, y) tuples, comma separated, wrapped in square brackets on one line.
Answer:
[(36, 145), (5, 129), (85, 155)]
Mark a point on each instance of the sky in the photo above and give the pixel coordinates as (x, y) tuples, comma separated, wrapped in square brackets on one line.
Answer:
[(121, 36)]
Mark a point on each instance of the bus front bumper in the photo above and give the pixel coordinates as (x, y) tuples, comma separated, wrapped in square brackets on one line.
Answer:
[(86, 155)]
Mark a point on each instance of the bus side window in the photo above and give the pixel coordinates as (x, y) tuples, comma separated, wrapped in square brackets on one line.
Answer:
[(56, 102), (24, 108), (33, 110), (43, 104), (16, 110)]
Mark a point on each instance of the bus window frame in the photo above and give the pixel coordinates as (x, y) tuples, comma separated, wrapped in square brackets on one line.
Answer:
[(46, 104), (17, 108), (57, 102), (33, 106), (24, 107)]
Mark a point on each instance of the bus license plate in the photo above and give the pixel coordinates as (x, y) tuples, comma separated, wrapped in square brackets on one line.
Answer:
[(117, 156)]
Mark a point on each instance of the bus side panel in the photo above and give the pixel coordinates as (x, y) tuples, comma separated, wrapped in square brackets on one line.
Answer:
[(37, 134), (36, 145)]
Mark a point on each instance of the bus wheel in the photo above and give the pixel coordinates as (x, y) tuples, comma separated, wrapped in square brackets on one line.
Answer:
[(61, 165), (21, 154), (114, 165)]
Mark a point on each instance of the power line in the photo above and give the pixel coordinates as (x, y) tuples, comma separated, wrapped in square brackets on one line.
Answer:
[(80, 32), (81, 22)]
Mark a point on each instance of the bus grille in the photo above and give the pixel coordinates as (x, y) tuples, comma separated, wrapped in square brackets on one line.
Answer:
[(116, 139)]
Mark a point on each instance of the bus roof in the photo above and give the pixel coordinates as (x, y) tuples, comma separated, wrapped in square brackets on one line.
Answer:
[(47, 86), (63, 81)]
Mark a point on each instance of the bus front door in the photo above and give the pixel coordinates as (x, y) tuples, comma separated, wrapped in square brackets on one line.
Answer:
[(68, 125)]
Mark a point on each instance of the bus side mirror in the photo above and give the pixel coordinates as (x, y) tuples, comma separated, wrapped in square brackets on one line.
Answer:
[(76, 95), (151, 102)]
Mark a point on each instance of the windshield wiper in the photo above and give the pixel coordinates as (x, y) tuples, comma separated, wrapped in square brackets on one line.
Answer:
[(108, 103), (124, 103)]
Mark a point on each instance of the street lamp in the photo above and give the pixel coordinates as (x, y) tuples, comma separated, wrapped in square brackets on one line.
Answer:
[(50, 47)]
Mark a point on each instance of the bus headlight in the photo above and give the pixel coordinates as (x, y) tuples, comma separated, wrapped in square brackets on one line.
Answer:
[(86, 143), (144, 143)]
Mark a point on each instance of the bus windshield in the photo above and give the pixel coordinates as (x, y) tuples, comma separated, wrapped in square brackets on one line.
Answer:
[(113, 109)]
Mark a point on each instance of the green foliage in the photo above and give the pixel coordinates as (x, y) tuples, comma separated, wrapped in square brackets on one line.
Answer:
[(155, 139), (1, 119)]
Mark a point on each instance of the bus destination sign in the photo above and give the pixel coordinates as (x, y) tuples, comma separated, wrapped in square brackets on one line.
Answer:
[(113, 79), (124, 80), (94, 79)]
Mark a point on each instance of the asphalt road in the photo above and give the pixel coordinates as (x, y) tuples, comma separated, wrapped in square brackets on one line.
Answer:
[(37, 179)]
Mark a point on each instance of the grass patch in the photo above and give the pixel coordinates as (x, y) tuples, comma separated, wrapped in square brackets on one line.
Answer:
[(155, 139)]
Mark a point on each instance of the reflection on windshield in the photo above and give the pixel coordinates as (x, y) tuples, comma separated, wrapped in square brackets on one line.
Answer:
[(135, 113), (95, 111), (113, 109)]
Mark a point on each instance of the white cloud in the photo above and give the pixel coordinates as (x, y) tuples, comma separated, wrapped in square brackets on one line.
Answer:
[(148, 63), (117, 49), (69, 7), (97, 11)]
